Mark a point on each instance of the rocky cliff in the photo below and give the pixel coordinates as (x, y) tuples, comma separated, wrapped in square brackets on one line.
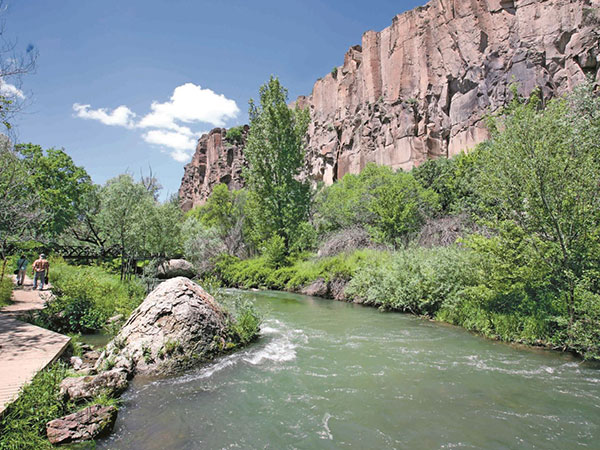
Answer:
[(420, 88), (216, 160)]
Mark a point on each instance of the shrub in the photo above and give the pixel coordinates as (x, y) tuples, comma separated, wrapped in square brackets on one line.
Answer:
[(85, 297), (304, 239), (202, 245), (274, 251), (67, 314), (235, 135), (346, 241), (414, 280), (391, 205), (244, 326), (258, 273)]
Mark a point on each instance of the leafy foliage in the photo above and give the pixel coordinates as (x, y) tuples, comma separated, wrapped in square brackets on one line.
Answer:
[(86, 297), (235, 135), (59, 185), (6, 287), (414, 280), (542, 169), (391, 205), (275, 154)]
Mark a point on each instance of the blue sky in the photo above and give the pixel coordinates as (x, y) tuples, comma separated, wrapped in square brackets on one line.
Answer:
[(127, 85)]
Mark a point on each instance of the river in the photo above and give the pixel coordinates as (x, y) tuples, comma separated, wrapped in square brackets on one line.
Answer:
[(328, 375)]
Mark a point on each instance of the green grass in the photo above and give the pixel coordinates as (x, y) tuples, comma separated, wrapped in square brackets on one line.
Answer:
[(6, 287), (23, 425)]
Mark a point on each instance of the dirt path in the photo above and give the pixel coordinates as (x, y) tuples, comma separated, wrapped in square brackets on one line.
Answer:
[(25, 349)]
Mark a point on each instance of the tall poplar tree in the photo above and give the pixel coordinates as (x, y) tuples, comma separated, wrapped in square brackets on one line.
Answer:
[(275, 155)]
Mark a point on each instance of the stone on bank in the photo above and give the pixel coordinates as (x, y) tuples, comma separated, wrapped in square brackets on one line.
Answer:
[(178, 324)]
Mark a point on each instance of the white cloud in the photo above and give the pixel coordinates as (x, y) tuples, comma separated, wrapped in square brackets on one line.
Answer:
[(167, 121), (181, 143), (10, 90), (190, 103), (121, 116)]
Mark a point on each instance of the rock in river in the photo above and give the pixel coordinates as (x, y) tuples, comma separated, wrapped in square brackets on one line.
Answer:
[(176, 325), (112, 383), (83, 425)]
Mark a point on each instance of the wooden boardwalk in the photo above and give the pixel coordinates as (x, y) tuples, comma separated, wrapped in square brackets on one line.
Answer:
[(24, 348)]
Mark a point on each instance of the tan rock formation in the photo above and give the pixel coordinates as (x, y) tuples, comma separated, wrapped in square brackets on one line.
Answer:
[(216, 160), (420, 88)]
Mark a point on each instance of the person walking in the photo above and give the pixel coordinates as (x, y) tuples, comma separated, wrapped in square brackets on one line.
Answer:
[(40, 271), (21, 270)]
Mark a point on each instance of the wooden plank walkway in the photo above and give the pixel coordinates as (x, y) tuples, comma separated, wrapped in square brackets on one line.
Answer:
[(25, 349)]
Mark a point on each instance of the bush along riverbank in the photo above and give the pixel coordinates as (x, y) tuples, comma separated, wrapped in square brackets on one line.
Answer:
[(503, 241), (452, 284), (85, 298), (177, 326)]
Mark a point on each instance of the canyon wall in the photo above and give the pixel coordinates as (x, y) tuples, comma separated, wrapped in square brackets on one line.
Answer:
[(216, 160), (421, 88)]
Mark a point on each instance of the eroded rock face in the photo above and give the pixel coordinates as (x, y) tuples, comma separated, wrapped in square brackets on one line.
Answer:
[(216, 160), (420, 88), (175, 326), (112, 383), (89, 423)]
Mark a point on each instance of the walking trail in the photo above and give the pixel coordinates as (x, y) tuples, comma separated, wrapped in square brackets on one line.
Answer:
[(25, 349)]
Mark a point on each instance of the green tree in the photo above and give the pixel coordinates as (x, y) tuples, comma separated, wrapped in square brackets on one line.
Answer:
[(400, 206), (123, 204), (20, 214), (275, 155), (389, 204), (59, 185), (542, 168), (157, 228)]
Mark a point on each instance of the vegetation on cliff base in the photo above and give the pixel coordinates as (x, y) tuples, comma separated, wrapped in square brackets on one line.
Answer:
[(526, 269)]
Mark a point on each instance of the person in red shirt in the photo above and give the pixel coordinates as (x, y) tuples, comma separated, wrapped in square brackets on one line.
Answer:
[(40, 271)]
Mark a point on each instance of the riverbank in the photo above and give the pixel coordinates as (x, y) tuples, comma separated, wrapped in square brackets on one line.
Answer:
[(449, 284)]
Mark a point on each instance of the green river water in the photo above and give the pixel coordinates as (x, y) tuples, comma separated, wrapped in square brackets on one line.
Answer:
[(327, 375)]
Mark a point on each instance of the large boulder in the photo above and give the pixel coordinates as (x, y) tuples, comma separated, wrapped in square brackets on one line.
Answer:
[(112, 383), (176, 325), (89, 423), (176, 268)]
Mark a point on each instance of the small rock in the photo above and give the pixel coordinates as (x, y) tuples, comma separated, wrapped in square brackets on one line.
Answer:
[(89, 423), (124, 363), (76, 362), (337, 289), (176, 268), (89, 358), (112, 382), (85, 348), (317, 288), (87, 371)]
